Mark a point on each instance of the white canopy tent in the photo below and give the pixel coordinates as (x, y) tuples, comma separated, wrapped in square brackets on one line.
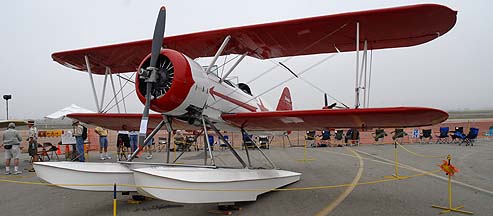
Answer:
[(60, 114)]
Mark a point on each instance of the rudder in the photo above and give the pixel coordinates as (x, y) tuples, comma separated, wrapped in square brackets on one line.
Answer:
[(285, 102)]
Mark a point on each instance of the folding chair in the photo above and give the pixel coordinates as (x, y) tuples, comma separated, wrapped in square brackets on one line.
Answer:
[(162, 143), (247, 141), (51, 150), (42, 153), (264, 142), (443, 137), (379, 135), (325, 139), (222, 145), (211, 142), (489, 134), (457, 135), (471, 137), (352, 136), (310, 138), (339, 135), (398, 134), (426, 134)]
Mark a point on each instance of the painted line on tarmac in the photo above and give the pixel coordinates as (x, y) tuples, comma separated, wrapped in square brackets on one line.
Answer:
[(433, 175), (329, 208)]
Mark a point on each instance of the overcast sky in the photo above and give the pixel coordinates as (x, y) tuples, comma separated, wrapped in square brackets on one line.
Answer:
[(449, 73)]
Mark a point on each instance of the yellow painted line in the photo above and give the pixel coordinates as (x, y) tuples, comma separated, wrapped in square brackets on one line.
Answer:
[(405, 166), (329, 208)]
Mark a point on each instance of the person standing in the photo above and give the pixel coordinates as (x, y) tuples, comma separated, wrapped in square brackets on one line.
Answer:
[(79, 140), (123, 140), (103, 142), (11, 142), (134, 138), (33, 143)]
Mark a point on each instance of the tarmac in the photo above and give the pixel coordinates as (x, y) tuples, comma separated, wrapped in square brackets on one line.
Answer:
[(324, 189)]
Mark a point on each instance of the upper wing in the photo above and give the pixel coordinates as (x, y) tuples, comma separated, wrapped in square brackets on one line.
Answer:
[(323, 119), (382, 28), (115, 121)]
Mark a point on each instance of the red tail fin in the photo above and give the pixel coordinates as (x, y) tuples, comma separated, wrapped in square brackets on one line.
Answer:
[(285, 102)]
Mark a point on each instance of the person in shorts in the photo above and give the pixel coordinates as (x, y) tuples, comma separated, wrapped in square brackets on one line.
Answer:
[(103, 142), (11, 142)]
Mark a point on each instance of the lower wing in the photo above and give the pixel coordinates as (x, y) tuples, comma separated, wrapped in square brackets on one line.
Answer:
[(297, 120)]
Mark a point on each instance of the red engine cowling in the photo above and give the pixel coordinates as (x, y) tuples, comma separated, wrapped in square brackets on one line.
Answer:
[(174, 81)]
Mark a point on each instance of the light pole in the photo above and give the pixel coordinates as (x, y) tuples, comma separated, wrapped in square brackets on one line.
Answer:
[(7, 98)]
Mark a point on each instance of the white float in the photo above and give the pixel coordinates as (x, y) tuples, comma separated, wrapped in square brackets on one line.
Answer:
[(77, 175), (208, 185)]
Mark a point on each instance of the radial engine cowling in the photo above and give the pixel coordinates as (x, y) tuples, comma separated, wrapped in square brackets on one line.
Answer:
[(178, 79)]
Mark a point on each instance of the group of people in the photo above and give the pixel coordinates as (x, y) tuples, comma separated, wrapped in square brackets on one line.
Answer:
[(11, 141)]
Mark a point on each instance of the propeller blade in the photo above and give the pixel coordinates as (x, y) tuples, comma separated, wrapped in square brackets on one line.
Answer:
[(157, 39), (326, 100), (157, 42)]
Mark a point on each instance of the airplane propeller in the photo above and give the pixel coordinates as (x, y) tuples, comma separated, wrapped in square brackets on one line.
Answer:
[(327, 103), (150, 74)]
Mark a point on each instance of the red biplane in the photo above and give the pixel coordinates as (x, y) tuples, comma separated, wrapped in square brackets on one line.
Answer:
[(190, 96)]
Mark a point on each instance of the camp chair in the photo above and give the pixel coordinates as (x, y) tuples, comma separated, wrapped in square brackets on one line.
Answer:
[(325, 139), (425, 134), (264, 142), (457, 135), (443, 137), (222, 144), (379, 135), (352, 135), (415, 135), (185, 146), (310, 138), (211, 142), (489, 133), (398, 134), (339, 135), (162, 143), (471, 137), (51, 150), (42, 153)]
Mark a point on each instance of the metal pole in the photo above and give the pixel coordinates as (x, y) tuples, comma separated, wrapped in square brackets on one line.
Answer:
[(114, 91), (262, 152), (7, 101), (227, 143), (369, 80), (233, 67), (356, 89), (243, 134), (147, 139), (123, 97), (104, 88), (218, 53), (169, 129), (88, 66), (207, 142), (365, 57)]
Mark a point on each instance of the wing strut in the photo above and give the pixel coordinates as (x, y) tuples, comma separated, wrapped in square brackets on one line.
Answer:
[(88, 66), (218, 53), (206, 141), (220, 135), (243, 132), (147, 139)]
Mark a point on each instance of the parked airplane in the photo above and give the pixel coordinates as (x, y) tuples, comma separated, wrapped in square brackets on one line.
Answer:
[(189, 96)]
